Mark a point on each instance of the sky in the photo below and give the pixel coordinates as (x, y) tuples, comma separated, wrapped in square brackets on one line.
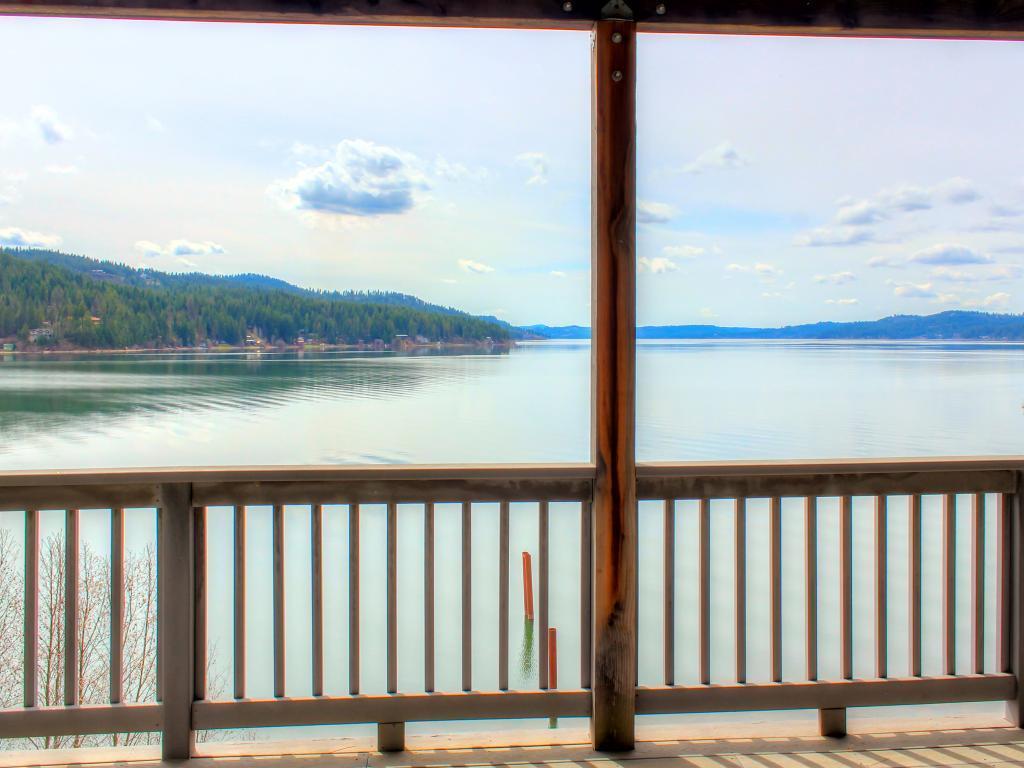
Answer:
[(780, 180)]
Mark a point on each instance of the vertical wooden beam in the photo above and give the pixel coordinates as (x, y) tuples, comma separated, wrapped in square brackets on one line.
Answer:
[(176, 571), (586, 593), (775, 578), (201, 590), (704, 565), (239, 625), (846, 588), (669, 575), (116, 604), (428, 597), (277, 545), (811, 574), (881, 587), (392, 597), (543, 555), (503, 589), (467, 596), (613, 301), (316, 576), (71, 660), (949, 584), (353, 599), (740, 565), (1015, 595), (978, 583), (31, 632), (914, 596)]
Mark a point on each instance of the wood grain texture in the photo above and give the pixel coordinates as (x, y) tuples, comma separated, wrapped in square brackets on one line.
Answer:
[(939, 18), (613, 379), (176, 569)]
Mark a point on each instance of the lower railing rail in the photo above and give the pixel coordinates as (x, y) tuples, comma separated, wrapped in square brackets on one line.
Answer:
[(857, 520)]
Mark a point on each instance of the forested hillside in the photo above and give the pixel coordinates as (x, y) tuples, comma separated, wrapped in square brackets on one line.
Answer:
[(92, 304)]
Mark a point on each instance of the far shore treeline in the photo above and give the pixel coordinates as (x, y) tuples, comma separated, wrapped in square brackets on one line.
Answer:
[(51, 299)]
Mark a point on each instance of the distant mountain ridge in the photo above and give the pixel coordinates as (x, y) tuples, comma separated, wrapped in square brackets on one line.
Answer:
[(951, 325)]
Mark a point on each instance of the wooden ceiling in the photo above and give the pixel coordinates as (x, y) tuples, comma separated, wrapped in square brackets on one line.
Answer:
[(998, 19)]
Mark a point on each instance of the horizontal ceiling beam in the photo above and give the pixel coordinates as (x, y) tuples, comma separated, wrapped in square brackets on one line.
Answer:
[(995, 19)]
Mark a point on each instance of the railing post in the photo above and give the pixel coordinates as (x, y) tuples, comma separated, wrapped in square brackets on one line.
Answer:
[(176, 602), (613, 301), (1014, 594)]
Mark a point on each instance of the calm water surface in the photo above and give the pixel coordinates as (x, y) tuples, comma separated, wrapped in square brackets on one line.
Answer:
[(696, 400)]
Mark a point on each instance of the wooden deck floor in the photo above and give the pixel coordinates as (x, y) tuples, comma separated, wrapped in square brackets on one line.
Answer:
[(993, 746)]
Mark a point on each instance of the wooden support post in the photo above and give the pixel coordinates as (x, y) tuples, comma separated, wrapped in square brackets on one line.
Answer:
[(176, 571), (1014, 594), (613, 299), (832, 722), (390, 737)]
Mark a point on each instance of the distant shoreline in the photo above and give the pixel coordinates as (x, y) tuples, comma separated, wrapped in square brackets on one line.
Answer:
[(231, 349)]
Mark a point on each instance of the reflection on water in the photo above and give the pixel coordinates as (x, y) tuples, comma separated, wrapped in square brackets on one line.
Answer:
[(702, 400)]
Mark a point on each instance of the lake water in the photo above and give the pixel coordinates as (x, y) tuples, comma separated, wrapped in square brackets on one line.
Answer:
[(696, 401)]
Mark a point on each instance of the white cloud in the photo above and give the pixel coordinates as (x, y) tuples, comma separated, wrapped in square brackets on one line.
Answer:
[(725, 155), (48, 127), (62, 170), (537, 163), (10, 191), (180, 249), (657, 265), (767, 270), (946, 254), (997, 273), (836, 278), (362, 179), (1006, 211), (737, 268), (1000, 299), (13, 237), (474, 266), (835, 236), (958, 191), (914, 290), (841, 302), (188, 263), (883, 205), (682, 251), (648, 212), (886, 261), (446, 169)]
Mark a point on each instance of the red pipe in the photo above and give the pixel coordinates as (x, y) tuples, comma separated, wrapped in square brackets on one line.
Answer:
[(528, 586), (552, 659)]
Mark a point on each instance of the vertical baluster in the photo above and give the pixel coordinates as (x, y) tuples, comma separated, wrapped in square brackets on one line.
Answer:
[(1014, 594), (316, 576), (704, 511), (1004, 585), (949, 584), (116, 604), (542, 595), (353, 599), (881, 587), (71, 659), (811, 573), (846, 595), (428, 597), (392, 598), (31, 632), (201, 588), (467, 596), (776, 586), (503, 588), (278, 601), (669, 540), (586, 592), (740, 563), (239, 596), (914, 612), (978, 583)]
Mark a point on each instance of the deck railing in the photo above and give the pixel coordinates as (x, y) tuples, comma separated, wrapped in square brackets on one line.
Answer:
[(979, 495)]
